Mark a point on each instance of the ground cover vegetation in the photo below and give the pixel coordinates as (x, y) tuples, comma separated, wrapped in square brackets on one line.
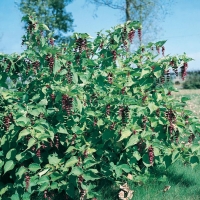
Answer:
[(75, 115)]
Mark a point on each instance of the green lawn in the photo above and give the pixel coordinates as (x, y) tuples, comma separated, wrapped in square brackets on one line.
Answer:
[(184, 182)]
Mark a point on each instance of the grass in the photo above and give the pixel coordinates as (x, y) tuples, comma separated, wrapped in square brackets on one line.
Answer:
[(184, 182), (194, 103)]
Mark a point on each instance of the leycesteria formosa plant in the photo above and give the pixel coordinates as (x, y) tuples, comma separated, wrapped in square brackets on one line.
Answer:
[(91, 110)]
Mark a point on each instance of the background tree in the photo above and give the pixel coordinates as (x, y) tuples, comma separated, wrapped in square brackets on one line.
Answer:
[(51, 12), (148, 12)]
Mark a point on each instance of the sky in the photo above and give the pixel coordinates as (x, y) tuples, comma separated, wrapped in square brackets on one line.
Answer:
[(181, 27)]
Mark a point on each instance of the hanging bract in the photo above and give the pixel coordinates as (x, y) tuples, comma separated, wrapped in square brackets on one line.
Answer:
[(89, 110)]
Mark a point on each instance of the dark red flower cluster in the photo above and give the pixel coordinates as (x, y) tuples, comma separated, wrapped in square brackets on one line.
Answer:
[(36, 65), (163, 79), (53, 96), (158, 49), (174, 67), (168, 75), (114, 53), (81, 45), (67, 103), (8, 67), (163, 50), (101, 45), (108, 110), (112, 126), (124, 34), (51, 42), (95, 121), (191, 138), (110, 78), (73, 139), (38, 153), (151, 155), (144, 121), (140, 34), (171, 118), (123, 90), (131, 35), (184, 70), (27, 180), (69, 74), (57, 141), (158, 112), (7, 121), (31, 26), (50, 61)]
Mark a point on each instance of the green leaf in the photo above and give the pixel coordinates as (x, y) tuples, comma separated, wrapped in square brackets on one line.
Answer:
[(53, 159), (76, 129), (195, 147), (89, 162), (15, 197), (78, 104), (31, 142), (45, 27), (11, 154), (21, 172), (26, 196), (9, 165), (184, 99), (132, 141), (125, 134), (75, 78), (34, 167), (55, 176), (22, 121), (152, 107), (43, 102), (3, 190), (23, 133), (70, 149), (71, 162), (43, 180), (43, 172), (57, 66), (91, 175), (157, 72), (77, 171), (125, 168), (175, 155), (54, 185), (194, 160), (136, 154), (44, 186), (145, 159), (62, 129), (144, 72)]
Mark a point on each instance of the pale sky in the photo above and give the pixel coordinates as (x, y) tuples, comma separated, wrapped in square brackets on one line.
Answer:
[(181, 28)]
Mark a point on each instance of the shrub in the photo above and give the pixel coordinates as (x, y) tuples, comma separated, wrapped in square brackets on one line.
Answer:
[(192, 81), (90, 110)]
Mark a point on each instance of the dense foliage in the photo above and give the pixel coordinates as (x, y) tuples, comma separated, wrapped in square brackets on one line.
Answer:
[(192, 81), (73, 115)]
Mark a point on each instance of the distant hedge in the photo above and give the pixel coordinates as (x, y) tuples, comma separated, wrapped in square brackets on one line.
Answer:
[(192, 81)]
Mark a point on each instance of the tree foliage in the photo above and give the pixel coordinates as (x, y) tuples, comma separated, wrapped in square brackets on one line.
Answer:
[(51, 12), (73, 115)]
